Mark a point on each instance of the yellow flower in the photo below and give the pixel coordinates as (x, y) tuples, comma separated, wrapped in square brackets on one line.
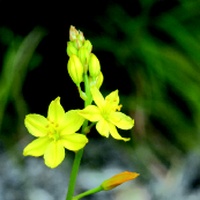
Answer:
[(54, 134), (118, 179), (106, 114)]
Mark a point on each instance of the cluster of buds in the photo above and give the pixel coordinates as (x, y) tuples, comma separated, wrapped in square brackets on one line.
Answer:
[(81, 60)]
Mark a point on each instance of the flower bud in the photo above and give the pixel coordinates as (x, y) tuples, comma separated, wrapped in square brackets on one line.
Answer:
[(83, 54), (99, 80), (72, 33), (96, 81), (71, 49), (75, 69), (118, 179), (87, 44), (81, 37), (94, 66), (77, 36)]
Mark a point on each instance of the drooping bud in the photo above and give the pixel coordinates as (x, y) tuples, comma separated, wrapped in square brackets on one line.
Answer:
[(75, 69), (118, 179), (94, 66)]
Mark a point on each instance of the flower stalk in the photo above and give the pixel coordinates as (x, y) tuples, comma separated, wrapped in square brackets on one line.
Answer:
[(74, 173), (79, 154), (88, 192)]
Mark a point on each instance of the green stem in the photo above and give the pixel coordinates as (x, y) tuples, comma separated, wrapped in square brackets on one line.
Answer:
[(74, 173), (88, 192), (78, 156), (87, 90), (75, 168)]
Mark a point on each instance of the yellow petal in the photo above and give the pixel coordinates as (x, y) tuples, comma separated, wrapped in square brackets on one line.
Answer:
[(71, 123), (91, 113), (103, 128), (113, 98), (97, 97), (36, 147), (121, 120), (54, 154), (55, 111), (115, 134), (74, 142), (36, 124), (118, 179)]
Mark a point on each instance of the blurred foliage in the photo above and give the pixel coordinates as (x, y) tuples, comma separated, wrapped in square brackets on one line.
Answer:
[(18, 58), (159, 51)]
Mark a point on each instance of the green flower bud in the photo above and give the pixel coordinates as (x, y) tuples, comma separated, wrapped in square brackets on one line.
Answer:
[(84, 54), (87, 44), (94, 66), (71, 49), (98, 81), (78, 44), (75, 69)]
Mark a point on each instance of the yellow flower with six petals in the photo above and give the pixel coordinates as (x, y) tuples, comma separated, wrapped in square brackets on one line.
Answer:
[(54, 134), (106, 114)]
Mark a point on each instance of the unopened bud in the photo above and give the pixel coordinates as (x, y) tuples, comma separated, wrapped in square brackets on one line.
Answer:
[(73, 33), (87, 44), (75, 69), (83, 54), (71, 49), (118, 179), (77, 36), (81, 37), (96, 81), (99, 80), (94, 66)]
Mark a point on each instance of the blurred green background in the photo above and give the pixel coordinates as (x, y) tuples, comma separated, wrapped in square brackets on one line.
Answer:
[(148, 49)]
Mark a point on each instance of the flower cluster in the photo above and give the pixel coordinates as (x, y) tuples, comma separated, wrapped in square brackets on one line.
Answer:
[(83, 65), (81, 60), (58, 131)]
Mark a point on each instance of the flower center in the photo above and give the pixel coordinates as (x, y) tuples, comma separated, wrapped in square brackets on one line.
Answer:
[(105, 112), (53, 131)]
